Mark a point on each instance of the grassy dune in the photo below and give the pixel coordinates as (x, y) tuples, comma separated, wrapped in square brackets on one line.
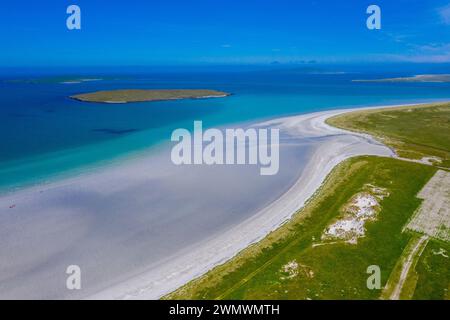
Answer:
[(338, 270), (414, 132), (139, 95), (331, 271)]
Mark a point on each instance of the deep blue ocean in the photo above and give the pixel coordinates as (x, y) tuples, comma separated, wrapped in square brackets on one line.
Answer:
[(44, 133)]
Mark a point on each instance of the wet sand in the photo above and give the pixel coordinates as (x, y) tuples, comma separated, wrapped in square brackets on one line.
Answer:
[(142, 228)]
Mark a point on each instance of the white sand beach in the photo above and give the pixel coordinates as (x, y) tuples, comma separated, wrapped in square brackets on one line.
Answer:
[(142, 228)]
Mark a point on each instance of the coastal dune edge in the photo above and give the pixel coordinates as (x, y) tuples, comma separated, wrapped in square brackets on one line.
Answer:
[(198, 260)]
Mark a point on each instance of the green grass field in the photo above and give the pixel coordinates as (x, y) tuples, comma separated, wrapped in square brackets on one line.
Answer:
[(338, 270), (414, 132), (332, 271), (433, 272)]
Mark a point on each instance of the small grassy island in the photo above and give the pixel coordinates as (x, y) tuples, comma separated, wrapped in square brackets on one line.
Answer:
[(140, 95)]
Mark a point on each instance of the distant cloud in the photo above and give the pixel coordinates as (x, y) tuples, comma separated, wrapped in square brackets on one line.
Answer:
[(425, 53), (399, 37), (416, 58), (226, 45), (437, 58), (434, 48), (444, 12)]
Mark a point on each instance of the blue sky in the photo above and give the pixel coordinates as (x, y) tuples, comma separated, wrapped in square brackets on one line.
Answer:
[(154, 32)]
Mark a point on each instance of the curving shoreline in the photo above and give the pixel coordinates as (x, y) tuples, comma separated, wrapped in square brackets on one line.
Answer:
[(110, 216), (196, 261)]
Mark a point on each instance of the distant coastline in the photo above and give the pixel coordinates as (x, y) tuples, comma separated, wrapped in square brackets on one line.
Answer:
[(140, 95), (416, 78)]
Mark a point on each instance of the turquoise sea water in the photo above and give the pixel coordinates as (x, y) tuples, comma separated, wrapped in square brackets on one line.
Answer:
[(45, 134)]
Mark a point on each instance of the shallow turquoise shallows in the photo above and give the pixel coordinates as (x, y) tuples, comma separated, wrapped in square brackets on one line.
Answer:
[(45, 134)]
